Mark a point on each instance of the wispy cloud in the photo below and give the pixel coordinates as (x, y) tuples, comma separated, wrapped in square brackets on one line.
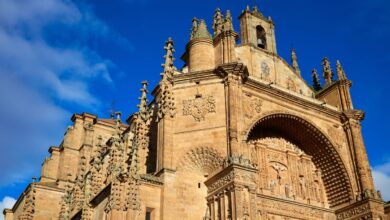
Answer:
[(381, 175), (47, 67), (6, 203)]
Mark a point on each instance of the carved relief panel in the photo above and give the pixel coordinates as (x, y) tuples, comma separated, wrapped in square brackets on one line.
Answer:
[(251, 105), (199, 107), (286, 172)]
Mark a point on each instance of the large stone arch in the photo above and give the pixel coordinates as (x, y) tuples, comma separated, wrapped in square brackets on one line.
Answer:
[(313, 142)]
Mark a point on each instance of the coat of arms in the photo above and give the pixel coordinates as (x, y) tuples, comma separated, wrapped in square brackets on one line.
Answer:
[(199, 107)]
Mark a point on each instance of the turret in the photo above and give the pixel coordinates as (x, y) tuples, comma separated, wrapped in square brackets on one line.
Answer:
[(200, 49), (256, 30)]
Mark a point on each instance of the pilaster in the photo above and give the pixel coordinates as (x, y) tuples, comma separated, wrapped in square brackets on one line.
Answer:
[(352, 128), (234, 75)]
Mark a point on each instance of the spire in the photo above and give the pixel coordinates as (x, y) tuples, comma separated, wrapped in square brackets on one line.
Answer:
[(316, 80), (294, 62), (201, 31), (168, 65), (340, 71), (327, 71), (217, 22)]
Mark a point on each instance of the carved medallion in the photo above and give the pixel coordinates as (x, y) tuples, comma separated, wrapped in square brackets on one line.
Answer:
[(199, 107), (291, 85), (265, 70), (252, 105)]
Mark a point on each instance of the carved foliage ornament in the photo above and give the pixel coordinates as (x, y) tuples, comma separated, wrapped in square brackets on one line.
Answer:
[(199, 107)]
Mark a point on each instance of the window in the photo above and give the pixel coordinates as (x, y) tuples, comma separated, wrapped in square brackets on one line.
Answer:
[(260, 36), (149, 214)]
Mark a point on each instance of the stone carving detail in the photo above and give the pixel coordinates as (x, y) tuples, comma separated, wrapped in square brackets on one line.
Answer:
[(287, 172), (290, 85), (252, 106), (205, 159), (297, 211), (220, 182), (265, 71), (354, 211), (66, 201), (199, 107), (29, 207)]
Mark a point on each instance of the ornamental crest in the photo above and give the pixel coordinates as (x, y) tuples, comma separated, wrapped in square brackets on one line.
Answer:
[(199, 107)]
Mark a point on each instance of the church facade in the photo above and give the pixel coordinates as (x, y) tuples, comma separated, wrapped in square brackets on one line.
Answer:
[(235, 134)]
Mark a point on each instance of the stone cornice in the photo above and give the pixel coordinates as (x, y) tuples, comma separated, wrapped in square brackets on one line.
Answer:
[(294, 203), (268, 89), (355, 114), (332, 87), (237, 69)]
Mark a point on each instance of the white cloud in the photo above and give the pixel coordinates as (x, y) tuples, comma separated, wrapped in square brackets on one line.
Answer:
[(44, 75), (381, 175), (6, 203)]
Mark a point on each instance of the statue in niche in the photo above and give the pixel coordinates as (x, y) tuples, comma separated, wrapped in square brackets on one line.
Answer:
[(302, 186), (272, 186), (287, 191)]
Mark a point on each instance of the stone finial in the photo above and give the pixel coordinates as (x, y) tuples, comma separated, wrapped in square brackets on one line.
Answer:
[(194, 28), (340, 71), (294, 62), (228, 24), (256, 12), (169, 59), (316, 80), (217, 22), (327, 71), (201, 31)]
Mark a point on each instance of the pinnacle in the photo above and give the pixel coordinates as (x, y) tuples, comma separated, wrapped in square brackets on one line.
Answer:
[(294, 62), (168, 65), (143, 99), (340, 71), (316, 80)]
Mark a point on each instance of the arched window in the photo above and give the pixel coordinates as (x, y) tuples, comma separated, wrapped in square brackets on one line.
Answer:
[(261, 39)]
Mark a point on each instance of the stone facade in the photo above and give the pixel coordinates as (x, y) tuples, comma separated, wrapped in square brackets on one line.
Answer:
[(236, 134)]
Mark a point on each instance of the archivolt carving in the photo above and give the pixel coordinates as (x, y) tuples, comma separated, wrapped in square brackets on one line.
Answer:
[(204, 159), (314, 143), (337, 136)]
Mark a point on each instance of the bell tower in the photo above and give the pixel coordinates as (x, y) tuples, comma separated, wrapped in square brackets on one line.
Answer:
[(257, 30)]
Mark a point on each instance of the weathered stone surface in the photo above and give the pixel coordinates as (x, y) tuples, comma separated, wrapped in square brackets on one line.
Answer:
[(235, 134)]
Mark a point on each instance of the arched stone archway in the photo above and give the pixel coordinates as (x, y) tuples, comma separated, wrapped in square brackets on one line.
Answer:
[(299, 132)]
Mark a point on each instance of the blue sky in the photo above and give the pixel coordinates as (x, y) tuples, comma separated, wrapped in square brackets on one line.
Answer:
[(61, 56)]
